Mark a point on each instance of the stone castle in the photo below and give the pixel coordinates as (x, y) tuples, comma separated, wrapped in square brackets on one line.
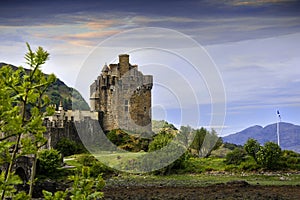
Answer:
[(120, 98)]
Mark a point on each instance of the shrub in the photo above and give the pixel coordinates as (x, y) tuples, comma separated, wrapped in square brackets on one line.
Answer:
[(269, 155), (290, 159), (86, 160), (160, 140), (49, 161), (249, 165), (236, 156), (128, 141), (68, 147)]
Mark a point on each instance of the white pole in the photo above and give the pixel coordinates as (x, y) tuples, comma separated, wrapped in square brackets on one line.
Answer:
[(278, 121), (278, 141)]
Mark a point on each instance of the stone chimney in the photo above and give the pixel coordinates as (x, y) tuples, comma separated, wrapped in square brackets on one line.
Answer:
[(124, 64)]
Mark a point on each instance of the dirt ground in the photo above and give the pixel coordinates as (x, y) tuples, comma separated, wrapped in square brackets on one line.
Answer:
[(232, 190)]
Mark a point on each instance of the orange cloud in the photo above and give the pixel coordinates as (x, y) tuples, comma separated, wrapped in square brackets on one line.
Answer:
[(258, 2)]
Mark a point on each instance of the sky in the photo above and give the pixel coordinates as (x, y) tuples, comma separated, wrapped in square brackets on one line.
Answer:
[(246, 52)]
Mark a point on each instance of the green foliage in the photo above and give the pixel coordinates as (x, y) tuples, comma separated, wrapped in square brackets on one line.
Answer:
[(205, 142), (167, 155), (160, 140), (231, 146), (199, 136), (128, 141), (68, 147), (252, 147), (49, 161), (249, 165), (84, 187), (24, 103), (9, 186), (162, 125), (98, 168), (201, 165), (221, 152), (236, 156), (269, 155), (290, 160), (59, 195), (185, 136), (86, 159)]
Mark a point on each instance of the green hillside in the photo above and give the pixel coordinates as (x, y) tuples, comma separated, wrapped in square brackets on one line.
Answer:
[(59, 91)]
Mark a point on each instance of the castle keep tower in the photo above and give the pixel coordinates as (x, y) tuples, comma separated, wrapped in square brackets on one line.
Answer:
[(122, 96)]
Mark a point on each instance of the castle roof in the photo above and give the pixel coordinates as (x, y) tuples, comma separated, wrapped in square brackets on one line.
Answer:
[(105, 68)]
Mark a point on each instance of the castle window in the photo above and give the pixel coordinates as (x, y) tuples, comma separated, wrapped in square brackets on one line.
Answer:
[(113, 80), (126, 105), (145, 108)]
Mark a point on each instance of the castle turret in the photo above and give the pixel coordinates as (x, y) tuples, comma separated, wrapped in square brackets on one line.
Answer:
[(105, 68), (60, 108)]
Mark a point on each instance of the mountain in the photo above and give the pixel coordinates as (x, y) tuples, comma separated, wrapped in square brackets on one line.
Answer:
[(59, 91), (289, 135)]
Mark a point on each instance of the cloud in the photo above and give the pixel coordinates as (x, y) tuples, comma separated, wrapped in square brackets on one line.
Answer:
[(260, 72)]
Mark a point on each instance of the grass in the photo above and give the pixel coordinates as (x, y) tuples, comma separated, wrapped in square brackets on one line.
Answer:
[(199, 172), (111, 159), (194, 180), (116, 159)]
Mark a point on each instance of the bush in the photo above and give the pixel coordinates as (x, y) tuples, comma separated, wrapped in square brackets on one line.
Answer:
[(269, 155), (290, 159), (49, 161), (249, 165), (128, 141), (68, 147), (160, 140), (86, 160), (236, 156)]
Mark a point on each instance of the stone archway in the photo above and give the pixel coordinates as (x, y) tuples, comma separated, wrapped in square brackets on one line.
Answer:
[(22, 174)]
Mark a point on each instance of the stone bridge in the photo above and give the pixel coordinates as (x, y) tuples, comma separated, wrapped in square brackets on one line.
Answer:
[(22, 167)]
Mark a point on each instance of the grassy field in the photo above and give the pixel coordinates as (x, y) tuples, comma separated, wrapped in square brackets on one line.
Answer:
[(208, 171)]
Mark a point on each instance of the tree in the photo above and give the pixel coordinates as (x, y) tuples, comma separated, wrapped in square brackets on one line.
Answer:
[(204, 141), (269, 155), (185, 136), (199, 136), (23, 106), (252, 147)]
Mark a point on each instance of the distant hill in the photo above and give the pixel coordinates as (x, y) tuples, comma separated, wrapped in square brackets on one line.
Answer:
[(59, 91), (289, 135)]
